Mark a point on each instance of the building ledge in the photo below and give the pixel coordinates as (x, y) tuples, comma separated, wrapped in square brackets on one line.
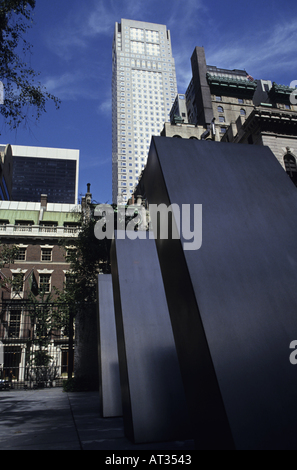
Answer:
[(231, 86), (38, 231)]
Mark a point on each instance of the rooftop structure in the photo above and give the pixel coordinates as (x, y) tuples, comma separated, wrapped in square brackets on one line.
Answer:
[(51, 171)]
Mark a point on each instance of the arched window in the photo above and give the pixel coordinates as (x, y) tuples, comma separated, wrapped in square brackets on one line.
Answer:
[(177, 137), (193, 138), (220, 109), (291, 166), (242, 112)]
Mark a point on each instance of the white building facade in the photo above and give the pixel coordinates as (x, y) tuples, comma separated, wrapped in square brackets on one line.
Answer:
[(143, 91)]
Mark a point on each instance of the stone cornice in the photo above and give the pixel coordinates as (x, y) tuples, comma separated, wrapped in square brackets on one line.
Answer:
[(280, 93), (231, 86), (273, 120)]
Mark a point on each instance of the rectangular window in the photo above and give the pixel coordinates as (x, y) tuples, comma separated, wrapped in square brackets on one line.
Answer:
[(46, 254), (14, 323), (18, 283), (21, 255), (69, 280), (45, 283)]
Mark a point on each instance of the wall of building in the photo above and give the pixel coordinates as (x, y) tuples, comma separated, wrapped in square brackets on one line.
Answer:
[(56, 268), (279, 144), (232, 108), (40, 170), (185, 131)]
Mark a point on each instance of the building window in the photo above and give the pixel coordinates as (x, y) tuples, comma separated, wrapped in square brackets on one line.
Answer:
[(223, 130), (221, 119), (218, 98), (21, 255), (291, 167), (18, 283), (242, 112), (240, 100), (46, 254), (69, 280), (220, 109), (14, 323), (45, 283)]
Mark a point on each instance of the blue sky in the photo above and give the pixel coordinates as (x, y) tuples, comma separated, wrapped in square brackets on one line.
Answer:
[(72, 42)]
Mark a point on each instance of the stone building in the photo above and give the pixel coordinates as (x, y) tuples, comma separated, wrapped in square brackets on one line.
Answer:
[(182, 130), (217, 95), (230, 106), (273, 122), (214, 99)]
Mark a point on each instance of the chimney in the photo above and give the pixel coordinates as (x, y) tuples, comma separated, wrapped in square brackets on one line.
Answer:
[(88, 194), (43, 201)]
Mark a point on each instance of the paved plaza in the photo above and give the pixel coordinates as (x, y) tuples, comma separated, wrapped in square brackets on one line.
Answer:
[(53, 420)]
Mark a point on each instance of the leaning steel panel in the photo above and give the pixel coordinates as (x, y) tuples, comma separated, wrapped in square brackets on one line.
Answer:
[(154, 404), (233, 302), (109, 373)]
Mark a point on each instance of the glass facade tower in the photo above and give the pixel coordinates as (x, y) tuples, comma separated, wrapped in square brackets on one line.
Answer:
[(48, 171), (143, 91)]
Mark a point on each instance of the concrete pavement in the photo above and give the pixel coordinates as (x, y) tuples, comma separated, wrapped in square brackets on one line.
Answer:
[(53, 420)]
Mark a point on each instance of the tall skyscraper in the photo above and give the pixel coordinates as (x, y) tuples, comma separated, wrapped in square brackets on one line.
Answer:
[(143, 91)]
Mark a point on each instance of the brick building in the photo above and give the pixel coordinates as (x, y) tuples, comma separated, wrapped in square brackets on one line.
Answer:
[(38, 230)]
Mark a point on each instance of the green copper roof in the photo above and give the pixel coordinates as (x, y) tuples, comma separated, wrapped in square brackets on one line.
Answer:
[(280, 93), (61, 217), (33, 216), (230, 86), (12, 216)]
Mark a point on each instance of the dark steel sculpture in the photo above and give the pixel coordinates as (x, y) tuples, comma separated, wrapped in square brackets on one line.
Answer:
[(233, 302), (109, 373), (154, 403)]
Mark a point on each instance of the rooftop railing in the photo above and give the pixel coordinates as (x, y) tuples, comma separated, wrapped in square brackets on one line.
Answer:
[(33, 230)]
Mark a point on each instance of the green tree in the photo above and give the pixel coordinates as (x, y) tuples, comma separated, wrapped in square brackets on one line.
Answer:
[(8, 253), (90, 256), (87, 257), (23, 96)]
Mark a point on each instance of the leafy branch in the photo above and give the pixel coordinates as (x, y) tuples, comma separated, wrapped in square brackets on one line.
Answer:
[(22, 95)]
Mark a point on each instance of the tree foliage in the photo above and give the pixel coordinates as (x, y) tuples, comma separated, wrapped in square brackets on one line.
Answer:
[(90, 256), (87, 257), (24, 96), (8, 253)]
